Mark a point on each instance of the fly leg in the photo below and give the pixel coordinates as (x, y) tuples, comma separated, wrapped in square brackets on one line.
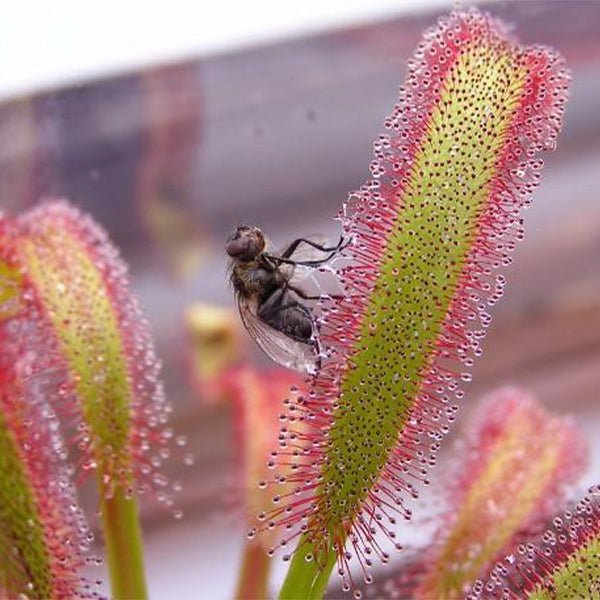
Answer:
[(288, 252), (303, 263), (302, 294)]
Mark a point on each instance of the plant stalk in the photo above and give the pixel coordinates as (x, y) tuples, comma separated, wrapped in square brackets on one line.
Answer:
[(307, 580), (254, 574), (123, 541)]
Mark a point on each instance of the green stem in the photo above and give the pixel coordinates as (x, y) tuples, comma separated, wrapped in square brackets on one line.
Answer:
[(123, 541), (254, 574), (307, 580)]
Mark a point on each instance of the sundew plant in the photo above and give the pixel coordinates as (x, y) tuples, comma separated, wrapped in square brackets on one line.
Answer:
[(74, 341), (429, 234), (332, 462)]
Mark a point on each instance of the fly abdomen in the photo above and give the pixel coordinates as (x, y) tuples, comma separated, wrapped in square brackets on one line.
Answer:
[(286, 314), (293, 321)]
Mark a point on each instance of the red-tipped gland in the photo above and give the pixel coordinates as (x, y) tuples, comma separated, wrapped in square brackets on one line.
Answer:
[(443, 213)]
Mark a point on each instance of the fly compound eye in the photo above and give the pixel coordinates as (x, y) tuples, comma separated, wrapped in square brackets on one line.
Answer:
[(236, 247), (236, 243), (245, 243)]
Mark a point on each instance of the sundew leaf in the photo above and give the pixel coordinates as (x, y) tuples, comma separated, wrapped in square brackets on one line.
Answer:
[(10, 286), (443, 213), (44, 538), (563, 564), (256, 396), (90, 328), (510, 475)]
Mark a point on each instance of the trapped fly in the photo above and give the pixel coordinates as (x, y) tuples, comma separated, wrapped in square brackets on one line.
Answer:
[(272, 306)]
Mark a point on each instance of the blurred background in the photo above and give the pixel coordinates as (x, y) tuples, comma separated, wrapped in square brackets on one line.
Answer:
[(171, 125)]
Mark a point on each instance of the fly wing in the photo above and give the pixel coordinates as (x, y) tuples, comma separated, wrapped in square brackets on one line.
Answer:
[(278, 346)]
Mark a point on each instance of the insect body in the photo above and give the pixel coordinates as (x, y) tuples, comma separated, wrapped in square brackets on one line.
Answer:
[(271, 305)]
